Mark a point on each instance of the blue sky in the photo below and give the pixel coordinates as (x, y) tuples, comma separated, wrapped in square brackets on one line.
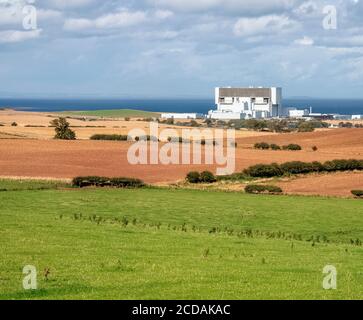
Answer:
[(180, 48)]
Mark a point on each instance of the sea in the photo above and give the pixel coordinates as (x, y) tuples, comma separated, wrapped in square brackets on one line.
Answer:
[(329, 106)]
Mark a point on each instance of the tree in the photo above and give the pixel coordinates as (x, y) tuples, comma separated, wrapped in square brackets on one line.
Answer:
[(62, 130)]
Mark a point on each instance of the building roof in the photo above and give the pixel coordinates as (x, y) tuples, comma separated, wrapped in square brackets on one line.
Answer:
[(245, 92)]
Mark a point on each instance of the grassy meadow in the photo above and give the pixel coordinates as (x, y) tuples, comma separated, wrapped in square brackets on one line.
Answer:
[(178, 244)]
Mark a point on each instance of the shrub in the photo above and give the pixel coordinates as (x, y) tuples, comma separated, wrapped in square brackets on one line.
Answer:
[(95, 181), (264, 170), (358, 193), (207, 177), (262, 146), (314, 148), (147, 138), (169, 121), (148, 119), (298, 167), (343, 165), (127, 119), (257, 189), (127, 183), (292, 147), (110, 137), (194, 123), (306, 126), (62, 130), (177, 140), (193, 177), (90, 181), (14, 124), (275, 147)]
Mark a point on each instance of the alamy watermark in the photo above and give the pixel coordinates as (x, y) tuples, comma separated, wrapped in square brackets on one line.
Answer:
[(29, 11), (30, 279), (22, 11), (330, 281), (330, 21), (169, 147)]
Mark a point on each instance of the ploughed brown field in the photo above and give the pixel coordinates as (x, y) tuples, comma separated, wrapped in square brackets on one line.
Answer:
[(42, 157)]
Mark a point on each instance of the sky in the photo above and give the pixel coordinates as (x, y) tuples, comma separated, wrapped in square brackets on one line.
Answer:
[(180, 48)]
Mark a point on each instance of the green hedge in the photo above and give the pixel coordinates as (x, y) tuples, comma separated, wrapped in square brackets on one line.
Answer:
[(297, 167), (273, 146), (147, 138), (292, 147), (110, 137), (204, 177), (94, 181), (264, 170), (358, 193), (207, 177), (257, 189), (262, 146)]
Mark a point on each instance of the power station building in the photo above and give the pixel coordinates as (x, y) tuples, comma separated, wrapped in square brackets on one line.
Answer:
[(247, 103)]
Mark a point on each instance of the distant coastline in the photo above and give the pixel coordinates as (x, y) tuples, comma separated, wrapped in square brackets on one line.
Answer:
[(336, 106)]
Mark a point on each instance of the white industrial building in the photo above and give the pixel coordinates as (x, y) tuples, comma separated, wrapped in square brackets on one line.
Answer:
[(357, 117), (182, 116), (298, 113), (247, 103)]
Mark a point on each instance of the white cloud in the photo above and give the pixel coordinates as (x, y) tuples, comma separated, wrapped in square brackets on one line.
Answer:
[(12, 36), (262, 25), (241, 6), (120, 19), (69, 4), (44, 14), (10, 15), (160, 35), (163, 14), (308, 8), (305, 41)]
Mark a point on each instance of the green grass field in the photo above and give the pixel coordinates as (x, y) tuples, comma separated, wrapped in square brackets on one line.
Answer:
[(118, 113), (178, 244), (18, 185)]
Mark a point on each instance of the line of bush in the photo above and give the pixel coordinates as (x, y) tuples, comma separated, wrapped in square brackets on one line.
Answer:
[(292, 147), (357, 193), (273, 146), (110, 137), (298, 167), (258, 189), (178, 140), (147, 138), (204, 177), (94, 181)]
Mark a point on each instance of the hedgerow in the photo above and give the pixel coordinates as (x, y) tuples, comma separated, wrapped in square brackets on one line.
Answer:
[(298, 167), (358, 193), (110, 137), (256, 189), (94, 181), (292, 147), (204, 177), (262, 146)]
